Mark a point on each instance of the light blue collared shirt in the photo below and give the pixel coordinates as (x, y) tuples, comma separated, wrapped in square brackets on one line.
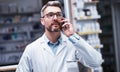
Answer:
[(53, 46)]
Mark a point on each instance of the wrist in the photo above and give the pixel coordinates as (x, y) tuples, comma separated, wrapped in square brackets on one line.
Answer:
[(70, 34), (74, 38)]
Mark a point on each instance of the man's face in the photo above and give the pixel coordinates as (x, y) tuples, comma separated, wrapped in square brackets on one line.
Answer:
[(50, 16)]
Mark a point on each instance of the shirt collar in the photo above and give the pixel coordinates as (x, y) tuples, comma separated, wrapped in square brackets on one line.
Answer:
[(48, 41)]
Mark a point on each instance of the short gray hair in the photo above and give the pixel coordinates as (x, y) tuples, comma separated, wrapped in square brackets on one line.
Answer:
[(50, 3)]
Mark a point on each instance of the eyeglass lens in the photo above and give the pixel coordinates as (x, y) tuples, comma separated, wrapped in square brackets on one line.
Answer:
[(51, 14)]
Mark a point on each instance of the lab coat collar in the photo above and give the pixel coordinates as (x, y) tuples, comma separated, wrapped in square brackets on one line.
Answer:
[(62, 44), (45, 46)]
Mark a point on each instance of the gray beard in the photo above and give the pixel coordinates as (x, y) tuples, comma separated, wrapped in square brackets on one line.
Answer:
[(53, 30)]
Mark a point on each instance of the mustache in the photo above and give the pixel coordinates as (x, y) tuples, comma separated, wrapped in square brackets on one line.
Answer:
[(55, 23)]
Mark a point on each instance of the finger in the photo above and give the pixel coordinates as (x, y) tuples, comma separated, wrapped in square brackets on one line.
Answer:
[(65, 26), (65, 20)]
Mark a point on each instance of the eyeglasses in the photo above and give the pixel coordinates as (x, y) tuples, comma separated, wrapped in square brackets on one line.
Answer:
[(51, 15)]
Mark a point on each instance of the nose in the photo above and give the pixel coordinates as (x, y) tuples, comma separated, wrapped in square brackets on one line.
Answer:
[(55, 17)]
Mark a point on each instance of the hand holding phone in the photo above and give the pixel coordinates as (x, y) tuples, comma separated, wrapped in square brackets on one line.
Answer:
[(61, 21), (66, 26)]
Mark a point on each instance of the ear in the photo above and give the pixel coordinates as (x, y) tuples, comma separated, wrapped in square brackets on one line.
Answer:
[(42, 21)]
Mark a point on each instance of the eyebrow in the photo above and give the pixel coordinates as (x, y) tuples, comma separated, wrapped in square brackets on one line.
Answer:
[(53, 12)]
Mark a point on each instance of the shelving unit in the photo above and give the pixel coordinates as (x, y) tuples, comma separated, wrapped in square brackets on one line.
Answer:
[(84, 15), (17, 29), (86, 23), (13, 42)]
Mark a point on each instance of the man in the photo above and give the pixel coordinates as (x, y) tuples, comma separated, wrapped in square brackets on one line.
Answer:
[(58, 46)]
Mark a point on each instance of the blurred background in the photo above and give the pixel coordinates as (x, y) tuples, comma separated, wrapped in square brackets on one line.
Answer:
[(97, 21)]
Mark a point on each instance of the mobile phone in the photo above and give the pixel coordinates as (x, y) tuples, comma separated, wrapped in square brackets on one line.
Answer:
[(61, 22)]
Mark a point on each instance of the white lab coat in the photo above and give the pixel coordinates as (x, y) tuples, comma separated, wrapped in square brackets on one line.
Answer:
[(38, 56)]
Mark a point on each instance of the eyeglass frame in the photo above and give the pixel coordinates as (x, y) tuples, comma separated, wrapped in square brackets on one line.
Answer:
[(58, 14)]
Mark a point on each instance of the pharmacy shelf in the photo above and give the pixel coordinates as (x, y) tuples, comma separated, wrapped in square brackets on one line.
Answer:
[(89, 32), (88, 17), (10, 58), (98, 46), (37, 30), (14, 41), (19, 13), (84, 16), (18, 24), (8, 63), (19, 32), (14, 51)]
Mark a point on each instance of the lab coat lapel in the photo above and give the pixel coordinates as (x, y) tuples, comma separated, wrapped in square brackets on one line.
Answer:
[(60, 48), (45, 46), (62, 45)]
